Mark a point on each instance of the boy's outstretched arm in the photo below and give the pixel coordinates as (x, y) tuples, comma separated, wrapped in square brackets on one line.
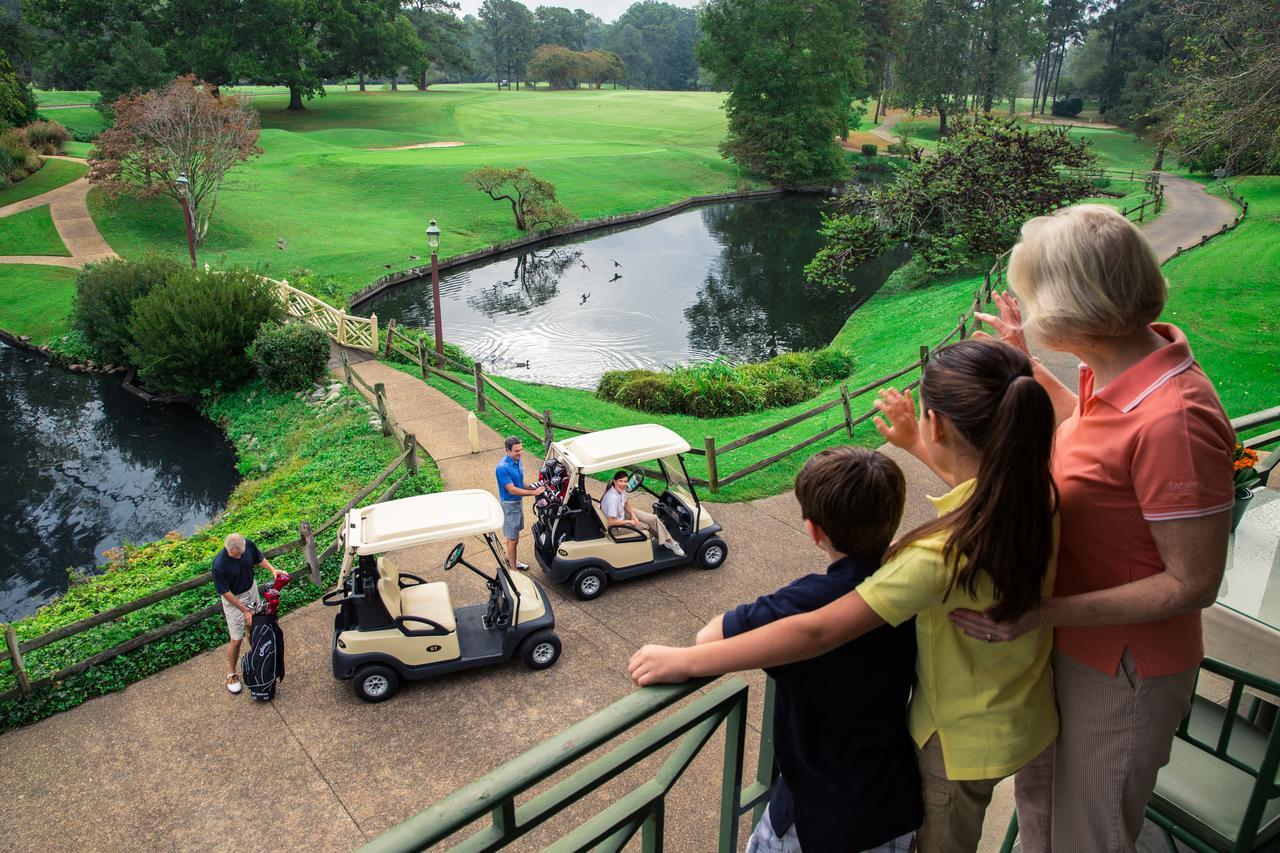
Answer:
[(785, 641), (712, 631)]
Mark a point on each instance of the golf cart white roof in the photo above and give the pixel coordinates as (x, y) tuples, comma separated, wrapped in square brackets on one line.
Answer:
[(403, 523), (619, 447)]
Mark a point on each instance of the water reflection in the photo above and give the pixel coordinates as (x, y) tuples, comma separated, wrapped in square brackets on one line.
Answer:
[(720, 280), (87, 466)]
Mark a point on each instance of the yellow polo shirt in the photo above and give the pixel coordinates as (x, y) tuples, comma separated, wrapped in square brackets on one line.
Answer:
[(991, 704)]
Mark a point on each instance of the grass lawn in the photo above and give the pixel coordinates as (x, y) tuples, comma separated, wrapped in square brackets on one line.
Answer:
[(36, 300), (77, 119), (77, 149), (50, 176), (346, 205), (60, 97), (1223, 295), (31, 233)]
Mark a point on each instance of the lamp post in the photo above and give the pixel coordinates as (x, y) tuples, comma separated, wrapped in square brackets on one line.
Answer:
[(433, 240), (183, 184)]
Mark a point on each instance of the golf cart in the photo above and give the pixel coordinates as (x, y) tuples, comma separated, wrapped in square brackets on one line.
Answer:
[(392, 625), (572, 538)]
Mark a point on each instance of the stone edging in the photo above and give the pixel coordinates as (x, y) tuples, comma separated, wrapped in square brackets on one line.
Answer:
[(373, 289), (90, 368)]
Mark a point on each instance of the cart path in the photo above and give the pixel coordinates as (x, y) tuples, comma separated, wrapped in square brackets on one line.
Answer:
[(174, 761), (71, 219)]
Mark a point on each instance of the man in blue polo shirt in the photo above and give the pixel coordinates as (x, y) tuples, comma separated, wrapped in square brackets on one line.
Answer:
[(512, 492), (849, 780)]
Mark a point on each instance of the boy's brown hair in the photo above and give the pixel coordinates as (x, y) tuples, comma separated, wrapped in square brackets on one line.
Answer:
[(856, 496)]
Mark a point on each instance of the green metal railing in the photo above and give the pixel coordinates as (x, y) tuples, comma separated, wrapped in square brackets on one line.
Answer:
[(689, 727)]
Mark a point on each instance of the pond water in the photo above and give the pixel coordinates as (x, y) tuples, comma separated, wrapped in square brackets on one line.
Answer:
[(87, 466), (721, 280)]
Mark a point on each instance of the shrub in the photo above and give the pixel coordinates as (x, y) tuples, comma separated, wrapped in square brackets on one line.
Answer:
[(105, 293), (1102, 183), (291, 356), (903, 148), (870, 149), (46, 137), (190, 334), (16, 156), (1068, 108), (612, 381), (647, 393)]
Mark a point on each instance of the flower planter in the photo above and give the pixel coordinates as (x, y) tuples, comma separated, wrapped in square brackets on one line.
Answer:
[(1243, 496)]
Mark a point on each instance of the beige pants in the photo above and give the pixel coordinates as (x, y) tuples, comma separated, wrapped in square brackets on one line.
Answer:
[(1091, 790), (656, 528)]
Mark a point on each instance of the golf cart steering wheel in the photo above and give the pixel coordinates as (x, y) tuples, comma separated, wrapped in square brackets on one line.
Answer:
[(455, 557)]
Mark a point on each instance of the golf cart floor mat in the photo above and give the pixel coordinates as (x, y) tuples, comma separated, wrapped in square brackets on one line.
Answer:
[(474, 639)]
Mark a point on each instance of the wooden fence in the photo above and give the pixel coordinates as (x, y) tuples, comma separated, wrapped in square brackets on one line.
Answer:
[(347, 329), (1243, 211), (306, 541)]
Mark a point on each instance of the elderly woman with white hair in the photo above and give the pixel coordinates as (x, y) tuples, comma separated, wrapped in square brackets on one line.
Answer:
[(233, 580), (1142, 462)]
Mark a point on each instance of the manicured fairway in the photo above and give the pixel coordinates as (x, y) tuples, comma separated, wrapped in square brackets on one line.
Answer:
[(60, 97), (36, 300), (77, 119), (347, 205), (31, 233), (1224, 296), (50, 176)]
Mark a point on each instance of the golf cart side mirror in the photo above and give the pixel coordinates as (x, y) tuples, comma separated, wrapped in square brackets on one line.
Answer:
[(455, 557), (635, 480)]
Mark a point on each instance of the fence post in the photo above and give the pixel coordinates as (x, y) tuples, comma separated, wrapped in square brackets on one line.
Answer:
[(342, 328), (15, 658), (848, 413), (373, 333), (379, 394), (548, 435), (422, 359), (924, 358), (411, 446), (476, 372), (963, 332), (309, 551), (346, 369), (713, 473), (391, 333)]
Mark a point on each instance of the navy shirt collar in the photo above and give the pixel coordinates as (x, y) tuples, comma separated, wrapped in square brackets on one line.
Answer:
[(852, 569)]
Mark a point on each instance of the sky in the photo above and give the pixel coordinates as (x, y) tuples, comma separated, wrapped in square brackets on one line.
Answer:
[(606, 10)]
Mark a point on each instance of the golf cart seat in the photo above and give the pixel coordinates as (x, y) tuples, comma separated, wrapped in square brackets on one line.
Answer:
[(630, 533), (420, 600)]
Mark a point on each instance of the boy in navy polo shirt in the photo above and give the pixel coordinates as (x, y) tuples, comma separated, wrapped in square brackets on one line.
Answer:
[(849, 778)]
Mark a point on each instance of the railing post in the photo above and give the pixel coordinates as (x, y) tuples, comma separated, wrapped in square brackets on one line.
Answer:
[(391, 333), (963, 319), (373, 333), (342, 327), (924, 359), (309, 551), (15, 659), (548, 435), (731, 782), (380, 398), (713, 472), (411, 447), (346, 369), (764, 758), (422, 359), (848, 413), (476, 371)]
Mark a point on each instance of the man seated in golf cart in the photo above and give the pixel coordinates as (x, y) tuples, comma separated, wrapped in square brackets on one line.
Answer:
[(618, 512)]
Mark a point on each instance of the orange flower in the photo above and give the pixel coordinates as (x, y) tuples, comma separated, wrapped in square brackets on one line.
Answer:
[(1246, 459)]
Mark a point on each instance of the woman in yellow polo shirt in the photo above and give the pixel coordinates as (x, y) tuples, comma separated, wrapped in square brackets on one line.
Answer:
[(980, 711)]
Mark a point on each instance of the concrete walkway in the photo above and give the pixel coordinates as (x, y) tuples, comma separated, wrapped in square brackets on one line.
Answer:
[(71, 218), (175, 762)]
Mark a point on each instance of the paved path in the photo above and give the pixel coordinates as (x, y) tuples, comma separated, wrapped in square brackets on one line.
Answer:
[(174, 762), (71, 219)]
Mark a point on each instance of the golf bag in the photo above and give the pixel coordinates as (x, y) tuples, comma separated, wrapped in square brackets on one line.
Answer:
[(555, 478), (263, 664)]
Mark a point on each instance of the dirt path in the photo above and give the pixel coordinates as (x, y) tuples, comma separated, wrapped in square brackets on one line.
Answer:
[(71, 219)]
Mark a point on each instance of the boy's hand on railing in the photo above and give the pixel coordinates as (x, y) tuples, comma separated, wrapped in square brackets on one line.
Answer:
[(1009, 324), (898, 426), (659, 665)]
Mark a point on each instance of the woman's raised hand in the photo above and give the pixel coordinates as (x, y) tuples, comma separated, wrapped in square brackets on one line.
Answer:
[(898, 426), (1009, 324), (980, 626)]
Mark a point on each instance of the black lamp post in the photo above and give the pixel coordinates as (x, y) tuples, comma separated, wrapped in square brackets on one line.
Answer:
[(433, 240), (183, 184)]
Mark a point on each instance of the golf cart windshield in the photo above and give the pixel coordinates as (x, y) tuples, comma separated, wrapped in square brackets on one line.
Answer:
[(677, 478)]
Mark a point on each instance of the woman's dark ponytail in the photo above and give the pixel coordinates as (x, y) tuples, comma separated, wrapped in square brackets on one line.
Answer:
[(987, 391)]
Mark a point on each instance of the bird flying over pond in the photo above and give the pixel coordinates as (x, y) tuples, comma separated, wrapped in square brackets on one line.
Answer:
[(615, 263), (585, 297), (584, 265), (616, 276)]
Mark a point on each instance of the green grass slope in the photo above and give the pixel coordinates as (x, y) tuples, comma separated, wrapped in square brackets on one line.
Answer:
[(77, 119), (62, 97), (347, 205), (50, 176), (31, 233), (36, 300)]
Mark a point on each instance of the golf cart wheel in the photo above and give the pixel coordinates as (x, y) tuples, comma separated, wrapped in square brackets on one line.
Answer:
[(540, 649), (588, 583), (375, 682), (713, 552)]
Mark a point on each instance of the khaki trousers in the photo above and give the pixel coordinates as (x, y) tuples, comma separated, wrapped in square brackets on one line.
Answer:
[(1089, 793), (655, 526)]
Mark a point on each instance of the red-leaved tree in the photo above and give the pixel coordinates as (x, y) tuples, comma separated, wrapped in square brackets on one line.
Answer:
[(179, 129)]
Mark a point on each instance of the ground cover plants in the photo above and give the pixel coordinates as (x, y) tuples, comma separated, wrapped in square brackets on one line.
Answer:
[(31, 233), (301, 460)]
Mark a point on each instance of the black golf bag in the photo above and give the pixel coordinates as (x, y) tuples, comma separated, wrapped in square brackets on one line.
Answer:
[(263, 664), (555, 477)]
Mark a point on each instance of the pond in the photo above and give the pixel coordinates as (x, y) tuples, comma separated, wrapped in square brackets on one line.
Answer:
[(89, 466), (722, 280)]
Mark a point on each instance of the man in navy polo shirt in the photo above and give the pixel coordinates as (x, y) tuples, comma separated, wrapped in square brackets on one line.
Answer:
[(849, 778), (234, 582), (511, 493)]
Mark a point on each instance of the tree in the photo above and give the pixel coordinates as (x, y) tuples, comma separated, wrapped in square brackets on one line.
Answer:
[(933, 76), (17, 101), (963, 204), (559, 66), (71, 39), (205, 38), (557, 25), (509, 30), (791, 67), (655, 40), (442, 35), (600, 66), (133, 65), (533, 200), (180, 129), (1005, 37), (287, 49)]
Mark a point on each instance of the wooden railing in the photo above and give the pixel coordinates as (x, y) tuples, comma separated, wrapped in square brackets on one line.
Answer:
[(346, 329)]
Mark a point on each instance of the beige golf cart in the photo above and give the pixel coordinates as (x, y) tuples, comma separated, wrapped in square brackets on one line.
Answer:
[(574, 542), (393, 625)]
